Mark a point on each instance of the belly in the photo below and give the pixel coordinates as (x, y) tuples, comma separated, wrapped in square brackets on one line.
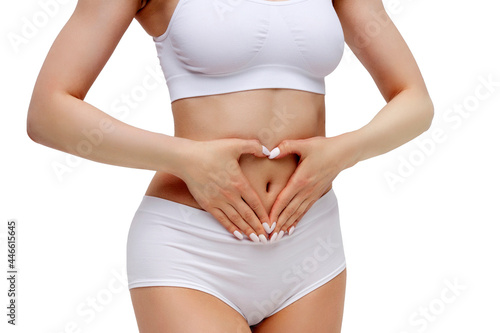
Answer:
[(269, 115)]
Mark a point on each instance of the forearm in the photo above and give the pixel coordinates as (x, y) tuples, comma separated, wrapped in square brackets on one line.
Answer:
[(402, 119), (69, 124)]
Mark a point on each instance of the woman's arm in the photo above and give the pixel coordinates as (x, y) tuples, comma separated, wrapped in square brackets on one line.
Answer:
[(376, 42), (58, 117)]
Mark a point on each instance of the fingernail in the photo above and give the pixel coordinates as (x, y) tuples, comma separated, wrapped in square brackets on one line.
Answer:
[(238, 234), (263, 238), (273, 238), (265, 151), (280, 235), (254, 238), (266, 227), (272, 227), (275, 152), (291, 231)]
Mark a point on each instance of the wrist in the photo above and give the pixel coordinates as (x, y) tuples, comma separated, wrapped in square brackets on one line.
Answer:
[(176, 152), (351, 143)]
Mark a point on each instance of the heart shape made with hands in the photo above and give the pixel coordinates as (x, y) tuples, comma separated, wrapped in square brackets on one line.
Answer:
[(270, 154)]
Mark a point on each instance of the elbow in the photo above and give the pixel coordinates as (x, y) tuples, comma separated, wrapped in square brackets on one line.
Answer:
[(35, 109), (428, 112), (422, 107), (34, 125), (41, 117), (37, 121), (32, 132)]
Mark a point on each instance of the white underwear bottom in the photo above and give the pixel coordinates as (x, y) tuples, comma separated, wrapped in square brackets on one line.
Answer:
[(171, 244)]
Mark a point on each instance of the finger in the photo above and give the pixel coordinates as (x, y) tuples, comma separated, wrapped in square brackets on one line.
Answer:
[(292, 220), (292, 228), (253, 201), (304, 212), (253, 147), (235, 217), (282, 201), (285, 215), (287, 147), (282, 232), (223, 219), (249, 217)]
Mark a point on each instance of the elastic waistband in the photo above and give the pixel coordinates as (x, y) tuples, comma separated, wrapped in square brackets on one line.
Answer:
[(187, 214), (277, 76)]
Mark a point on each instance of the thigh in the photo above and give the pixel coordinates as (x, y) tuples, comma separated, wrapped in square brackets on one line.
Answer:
[(320, 311), (184, 310)]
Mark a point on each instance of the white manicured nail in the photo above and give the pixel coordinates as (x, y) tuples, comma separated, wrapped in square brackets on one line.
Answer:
[(265, 151), (268, 228), (281, 233), (273, 238), (254, 238), (291, 231), (263, 238), (238, 234), (275, 152)]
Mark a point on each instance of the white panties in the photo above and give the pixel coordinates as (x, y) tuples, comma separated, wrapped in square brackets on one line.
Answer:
[(171, 244)]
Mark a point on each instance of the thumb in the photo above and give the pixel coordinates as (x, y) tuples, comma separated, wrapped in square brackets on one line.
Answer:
[(253, 147), (285, 148)]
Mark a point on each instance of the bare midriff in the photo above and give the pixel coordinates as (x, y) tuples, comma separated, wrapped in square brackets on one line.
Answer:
[(269, 115)]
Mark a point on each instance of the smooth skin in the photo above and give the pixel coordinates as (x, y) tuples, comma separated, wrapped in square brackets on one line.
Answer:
[(214, 161)]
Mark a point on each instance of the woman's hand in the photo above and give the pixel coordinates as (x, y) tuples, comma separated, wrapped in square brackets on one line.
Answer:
[(213, 176), (321, 160)]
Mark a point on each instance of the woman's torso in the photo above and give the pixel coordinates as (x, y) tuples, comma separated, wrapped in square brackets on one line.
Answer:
[(269, 115)]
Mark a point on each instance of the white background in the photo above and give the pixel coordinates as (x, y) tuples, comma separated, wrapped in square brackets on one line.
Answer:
[(405, 243)]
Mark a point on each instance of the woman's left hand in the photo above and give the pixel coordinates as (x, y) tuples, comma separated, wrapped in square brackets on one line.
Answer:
[(321, 160)]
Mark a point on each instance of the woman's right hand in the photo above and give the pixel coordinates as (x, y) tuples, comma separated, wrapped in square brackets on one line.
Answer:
[(213, 176)]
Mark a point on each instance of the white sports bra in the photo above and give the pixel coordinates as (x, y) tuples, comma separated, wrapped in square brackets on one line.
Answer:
[(220, 46)]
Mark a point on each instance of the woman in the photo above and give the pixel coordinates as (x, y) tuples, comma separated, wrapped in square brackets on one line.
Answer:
[(238, 230)]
